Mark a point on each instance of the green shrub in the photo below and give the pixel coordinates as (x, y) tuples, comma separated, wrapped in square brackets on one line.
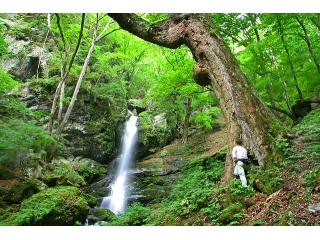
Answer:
[(135, 215), (312, 179), (62, 174), (17, 136), (231, 214)]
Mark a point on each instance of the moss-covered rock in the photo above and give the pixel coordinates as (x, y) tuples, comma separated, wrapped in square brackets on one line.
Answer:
[(268, 181), (6, 173), (60, 173), (58, 206), (24, 190), (91, 200), (99, 214), (231, 214), (88, 169)]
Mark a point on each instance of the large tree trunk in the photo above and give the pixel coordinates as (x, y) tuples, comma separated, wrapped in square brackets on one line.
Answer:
[(247, 115)]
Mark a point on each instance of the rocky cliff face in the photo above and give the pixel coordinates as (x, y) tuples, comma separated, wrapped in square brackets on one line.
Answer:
[(81, 139), (27, 59)]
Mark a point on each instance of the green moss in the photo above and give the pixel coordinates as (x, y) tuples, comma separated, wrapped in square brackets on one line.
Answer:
[(59, 206), (269, 181), (24, 190), (91, 200), (62, 174), (103, 214), (90, 172), (231, 214)]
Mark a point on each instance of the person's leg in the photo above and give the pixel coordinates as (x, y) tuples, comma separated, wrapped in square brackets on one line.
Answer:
[(240, 172), (235, 171)]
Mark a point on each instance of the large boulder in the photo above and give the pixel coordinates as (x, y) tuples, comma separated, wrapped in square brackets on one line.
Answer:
[(58, 206)]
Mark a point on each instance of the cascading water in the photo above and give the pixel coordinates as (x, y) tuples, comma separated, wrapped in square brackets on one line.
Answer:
[(116, 202)]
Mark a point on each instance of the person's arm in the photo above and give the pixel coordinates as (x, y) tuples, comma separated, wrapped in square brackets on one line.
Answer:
[(234, 155)]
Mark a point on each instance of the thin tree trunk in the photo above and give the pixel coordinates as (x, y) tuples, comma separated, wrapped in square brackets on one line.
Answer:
[(95, 38), (307, 40), (81, 76), (247, 115), (64, 72), (262, 63), (54, 105), (271, 98), (316, 21), (76, 90), (289, 57), (186, 121), (61, 103), (283, 83)]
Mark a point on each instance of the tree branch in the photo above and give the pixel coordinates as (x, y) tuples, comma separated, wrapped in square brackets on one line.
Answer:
[(290, 115), (78, 44), (167, 33)]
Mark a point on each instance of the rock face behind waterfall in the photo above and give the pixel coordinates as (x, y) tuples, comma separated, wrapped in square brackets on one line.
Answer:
[(83, 131), (153, 180), (89, 132)]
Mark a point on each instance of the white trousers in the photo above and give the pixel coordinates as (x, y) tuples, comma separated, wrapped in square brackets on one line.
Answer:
[(239, 171)]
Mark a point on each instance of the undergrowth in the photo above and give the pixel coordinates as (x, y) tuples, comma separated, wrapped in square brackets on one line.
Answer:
[(197, 199)]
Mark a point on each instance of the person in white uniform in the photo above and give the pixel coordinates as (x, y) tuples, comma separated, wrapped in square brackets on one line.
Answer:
[(240, 156)]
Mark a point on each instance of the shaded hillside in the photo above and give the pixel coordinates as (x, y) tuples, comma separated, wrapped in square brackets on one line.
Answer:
[(296, 203), (199, 143)]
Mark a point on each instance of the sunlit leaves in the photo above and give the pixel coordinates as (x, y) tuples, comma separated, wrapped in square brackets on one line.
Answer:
[(18, 136), (6, 81), (275, 54)]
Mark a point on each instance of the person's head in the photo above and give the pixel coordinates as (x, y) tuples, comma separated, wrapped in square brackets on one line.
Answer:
[(238, 142)]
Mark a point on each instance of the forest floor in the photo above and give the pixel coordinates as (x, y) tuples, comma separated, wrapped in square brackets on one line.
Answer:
[(293, 205)]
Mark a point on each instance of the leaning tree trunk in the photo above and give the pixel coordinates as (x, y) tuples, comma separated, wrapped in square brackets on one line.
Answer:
[(247, 115)]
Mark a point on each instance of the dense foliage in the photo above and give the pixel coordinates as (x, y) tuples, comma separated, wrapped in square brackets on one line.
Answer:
[(278, 53)]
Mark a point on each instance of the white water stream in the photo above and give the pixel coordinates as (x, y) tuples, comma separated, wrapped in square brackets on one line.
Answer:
[(116, 202)]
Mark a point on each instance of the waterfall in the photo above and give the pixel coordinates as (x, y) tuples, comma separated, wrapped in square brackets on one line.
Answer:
[(116, 202)]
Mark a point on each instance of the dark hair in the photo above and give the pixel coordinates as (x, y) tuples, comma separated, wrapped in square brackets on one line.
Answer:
[(238, 141)]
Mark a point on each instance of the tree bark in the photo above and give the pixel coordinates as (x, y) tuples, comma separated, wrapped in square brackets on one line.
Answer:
[(64, 71), (247, 115), (186, 120), (64, 121)]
